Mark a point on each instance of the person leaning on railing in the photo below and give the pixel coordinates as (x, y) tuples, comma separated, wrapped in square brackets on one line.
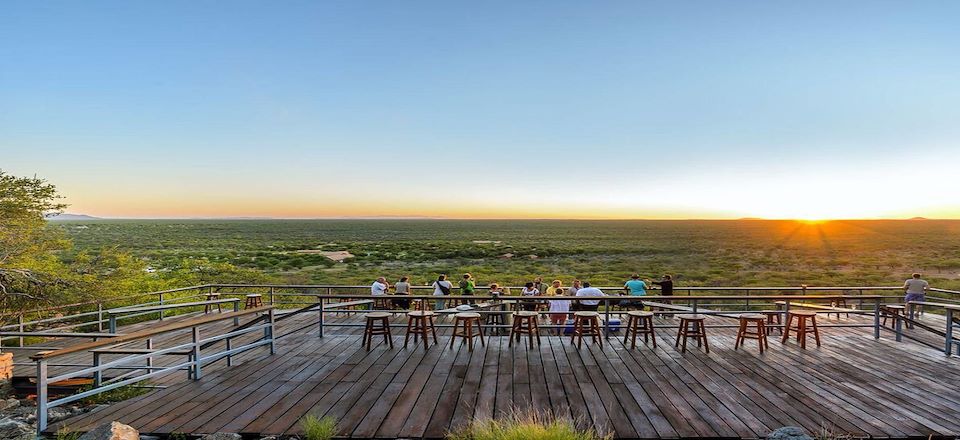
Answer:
[(402, 287), (468, 286), (666, 289), (441, 288), (528, 291), (588, 305)]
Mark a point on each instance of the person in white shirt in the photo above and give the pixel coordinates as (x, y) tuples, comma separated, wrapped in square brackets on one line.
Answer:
[(589, 305), (559, 309), (915, 289), (529, 290), (379, 287), (441, 288)]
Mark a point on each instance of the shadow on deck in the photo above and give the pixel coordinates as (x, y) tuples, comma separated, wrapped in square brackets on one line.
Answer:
[(853, 384)]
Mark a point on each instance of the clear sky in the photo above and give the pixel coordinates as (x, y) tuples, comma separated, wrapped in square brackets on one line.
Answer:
[(565, 109)]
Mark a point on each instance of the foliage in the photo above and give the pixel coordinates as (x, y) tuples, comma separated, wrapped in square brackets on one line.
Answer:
[(177, 436), (315, 428), (65, 433), (525, 426), (115, 395)]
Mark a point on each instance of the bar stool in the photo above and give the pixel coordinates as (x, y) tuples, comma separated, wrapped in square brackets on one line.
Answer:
[(760, 334), (420, 323), (774, 321), (468, 320), (374, 318), (586, 324), (639, 323), (254, 300), (495, 319), (893, 311), (380, 304), (525, 323), (840, 303), (698, 332), (212, 296), (801, 328)]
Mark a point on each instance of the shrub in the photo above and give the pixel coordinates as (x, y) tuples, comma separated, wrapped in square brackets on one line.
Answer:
[(315, 428), (525, 426)]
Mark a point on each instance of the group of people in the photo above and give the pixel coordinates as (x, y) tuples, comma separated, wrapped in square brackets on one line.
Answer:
[(558, 308)]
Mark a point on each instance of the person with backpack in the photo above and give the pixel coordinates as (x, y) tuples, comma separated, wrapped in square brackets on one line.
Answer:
[(468, 287), (441, 288)]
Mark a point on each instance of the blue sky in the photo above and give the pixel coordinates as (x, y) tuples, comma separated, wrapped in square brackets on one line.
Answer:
[(486, 109)]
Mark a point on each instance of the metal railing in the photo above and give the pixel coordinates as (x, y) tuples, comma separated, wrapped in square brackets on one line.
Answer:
[(197, 358)]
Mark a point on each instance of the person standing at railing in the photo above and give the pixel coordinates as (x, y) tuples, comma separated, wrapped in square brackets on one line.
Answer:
[(468, 286), (441, 288), (555, 286), (589, 305), (529, 290), (634, 287), (559, 309), (402, 287), (666, 289), (379, 288), (915, 289)]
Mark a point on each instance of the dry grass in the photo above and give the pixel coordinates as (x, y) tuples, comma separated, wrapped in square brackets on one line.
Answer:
[(526, 426)]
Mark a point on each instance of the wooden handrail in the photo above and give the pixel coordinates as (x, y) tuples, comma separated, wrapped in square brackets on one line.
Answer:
[(936, 304), (168, 306), (148, 332), (610, 297)]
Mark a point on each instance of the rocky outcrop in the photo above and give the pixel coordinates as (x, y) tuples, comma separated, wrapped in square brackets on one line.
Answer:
[(112, 431), (15, 430), (789, 433), (222, 436)]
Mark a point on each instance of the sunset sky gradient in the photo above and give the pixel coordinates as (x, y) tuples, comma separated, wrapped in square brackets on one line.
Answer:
[(560, 109)]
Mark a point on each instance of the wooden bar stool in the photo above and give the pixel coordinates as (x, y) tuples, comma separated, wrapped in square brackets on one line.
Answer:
[(420, 323), (378, 323), (639, 323), (213, 296), (699, 332), (893, 311), (254, 300), (525, 323), (760, 334), (840, 303), (468, 321), (774, 321), (496, 319), (586, 324), (381, 304), (802, 316)]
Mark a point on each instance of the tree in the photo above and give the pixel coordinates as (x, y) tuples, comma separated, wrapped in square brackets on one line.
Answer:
[(25, 241)]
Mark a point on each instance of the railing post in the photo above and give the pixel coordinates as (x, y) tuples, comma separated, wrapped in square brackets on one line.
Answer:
[(113, 323), (150, 358), (100, 317), (860, 291), (20, 327), (606, 319), (236, 308), (41, 396), (949, 332), (229, 356), (271, 296), (269, 330), (694, 305), (876, 319), (97, 375), (161, 303), (196, 354), (321, 318)]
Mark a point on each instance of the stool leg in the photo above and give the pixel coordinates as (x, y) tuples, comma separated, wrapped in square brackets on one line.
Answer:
[(703, 334), (653, 333), (679, 333), (453, 336), (388, 334), (626, 331), (514, 327), (530, 332), (740, 330), (536, 328), (578, 332), (786, 330), (802, 333), (468, 329), (367, 333), (433, 330), (482, 337), (596, 330), (407, 336), (686, 330), (816, 332)]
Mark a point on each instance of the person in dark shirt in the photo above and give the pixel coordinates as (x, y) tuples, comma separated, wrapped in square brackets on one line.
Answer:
[(666, 289)]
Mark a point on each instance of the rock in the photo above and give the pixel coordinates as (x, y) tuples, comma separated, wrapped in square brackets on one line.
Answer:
[(148, 437), (111, 431), (222, 436), (59, 413), (8, 404), (272, 437), (14, 430), (788, 433)]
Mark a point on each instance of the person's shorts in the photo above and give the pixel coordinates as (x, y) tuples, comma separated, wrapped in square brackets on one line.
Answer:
[(914, 297)]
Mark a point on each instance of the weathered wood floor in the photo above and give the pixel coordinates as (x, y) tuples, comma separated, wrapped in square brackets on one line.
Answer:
[(851, 385)]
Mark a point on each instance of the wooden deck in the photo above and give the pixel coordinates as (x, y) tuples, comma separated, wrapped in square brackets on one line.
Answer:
[(852, 385)]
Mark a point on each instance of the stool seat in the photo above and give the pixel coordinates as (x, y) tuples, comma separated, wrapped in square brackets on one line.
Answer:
[(212, 296), (752, 316), (640, 314), (586, 314), (377, 315), (466, 315), (525, 313), (420, 313), (802, 313), (254, 300), (693, 317), (802, 328)]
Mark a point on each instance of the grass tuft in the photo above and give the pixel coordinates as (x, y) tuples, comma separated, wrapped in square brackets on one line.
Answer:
[(315, 428), (526, 426)]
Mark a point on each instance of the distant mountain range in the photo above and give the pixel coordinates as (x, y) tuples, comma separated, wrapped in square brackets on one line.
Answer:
[(68, 216)]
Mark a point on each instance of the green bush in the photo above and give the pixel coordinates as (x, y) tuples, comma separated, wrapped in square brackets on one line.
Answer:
[(525, 426), (315, 428)]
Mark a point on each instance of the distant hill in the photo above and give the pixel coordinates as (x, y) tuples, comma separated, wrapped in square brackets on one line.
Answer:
[(68, 216), (918, 218)]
